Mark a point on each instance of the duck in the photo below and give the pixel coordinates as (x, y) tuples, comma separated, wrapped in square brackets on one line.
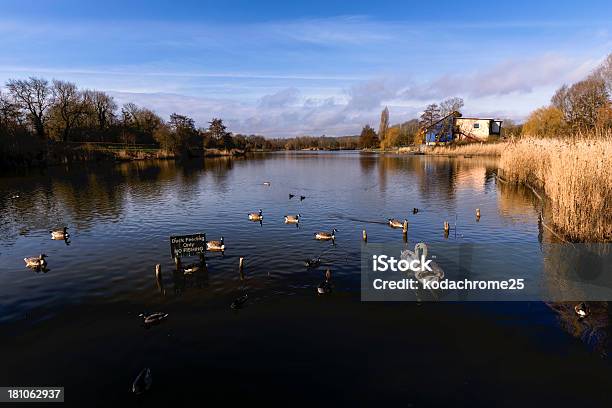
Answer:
[(582, 310), (420, 250), (291, 196), (60, 233), (395, 223), (143, 382), (312, 263), (415, 210), (267, 183), (191, 269), (36, 262), (325, 287), (153, 319), (292, 219), (239, 301), (215, 245), (325, 236), (302, 198), (256, 216)]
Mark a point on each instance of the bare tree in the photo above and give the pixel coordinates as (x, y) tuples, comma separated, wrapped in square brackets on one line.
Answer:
[(430, 115), (34, 96), (103, 107), (67, 107), (450, 105)]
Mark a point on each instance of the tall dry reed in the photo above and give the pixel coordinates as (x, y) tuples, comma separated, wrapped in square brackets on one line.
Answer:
[(476, 149), (575, 174)]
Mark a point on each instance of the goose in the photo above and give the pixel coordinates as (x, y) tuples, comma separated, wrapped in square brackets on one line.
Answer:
[(215, 245), (143, 382), (292, 219), (36, 262), (312, 263), (582, 310), (60, 233), (436, 273), (325, 287), (415, 210), (239, 301), (291, 196), (302, 198), (256, 216), (325, 236), (395, 223), (153, 319)]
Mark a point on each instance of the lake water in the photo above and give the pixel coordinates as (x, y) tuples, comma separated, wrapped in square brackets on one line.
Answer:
[(77, 324)]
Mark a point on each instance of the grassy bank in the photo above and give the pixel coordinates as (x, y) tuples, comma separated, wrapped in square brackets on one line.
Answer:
[(473, 149), (575, 174)]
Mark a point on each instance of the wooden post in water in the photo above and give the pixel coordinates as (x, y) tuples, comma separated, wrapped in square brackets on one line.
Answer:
[(446, 227), (477, 214), (241, 268), (365, 236), (405, 227)]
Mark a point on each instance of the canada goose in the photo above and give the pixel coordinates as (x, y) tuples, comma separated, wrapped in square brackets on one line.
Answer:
[(153, 319), (415, 210), (256, 216), (395, 223), (326, 235), (436, 273), (582, 310), (60, 233), (143, 382), (325, 287), (267, 183), (292, 219), (239, 301), (36, 262), (302, 198), (215, 245), (312, 263), (291, 196)]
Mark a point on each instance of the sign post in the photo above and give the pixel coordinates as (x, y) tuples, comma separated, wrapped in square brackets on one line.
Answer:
[(188, 245)]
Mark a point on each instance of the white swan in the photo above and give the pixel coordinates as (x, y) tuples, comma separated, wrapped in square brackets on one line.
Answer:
[(436, 274)]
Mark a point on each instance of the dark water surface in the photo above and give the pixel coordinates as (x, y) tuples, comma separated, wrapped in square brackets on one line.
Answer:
[(77, 326)]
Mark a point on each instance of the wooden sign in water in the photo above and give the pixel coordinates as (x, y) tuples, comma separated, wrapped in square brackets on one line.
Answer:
[(188, 245)]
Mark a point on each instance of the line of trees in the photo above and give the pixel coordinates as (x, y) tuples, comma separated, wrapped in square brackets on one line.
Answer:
[(36, 115), (582, 106)]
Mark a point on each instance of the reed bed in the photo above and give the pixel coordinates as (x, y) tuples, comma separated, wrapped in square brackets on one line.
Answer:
[(575, 174), (470, 149)]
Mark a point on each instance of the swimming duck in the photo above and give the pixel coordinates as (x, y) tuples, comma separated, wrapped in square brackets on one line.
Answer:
[(302, 198), (267, 183), (292, 219), (191, 269), (239, 301), (415, 210), (420, 250), (256, 216), (326, 235), (215, 245), (153, 319), (325, 287), (291, 196), (395, 223), (582, 310), (312, 263), (143, 382), (36, 262), (60, 233)]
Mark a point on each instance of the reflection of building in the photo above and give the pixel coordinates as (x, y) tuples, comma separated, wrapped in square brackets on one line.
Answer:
[(454, 127)]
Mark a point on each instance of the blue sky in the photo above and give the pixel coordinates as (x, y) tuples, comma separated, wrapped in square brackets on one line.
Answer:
[(317, 67)]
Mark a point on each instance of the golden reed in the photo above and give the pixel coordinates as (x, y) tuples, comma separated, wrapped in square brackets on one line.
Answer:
[(576, 175)]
